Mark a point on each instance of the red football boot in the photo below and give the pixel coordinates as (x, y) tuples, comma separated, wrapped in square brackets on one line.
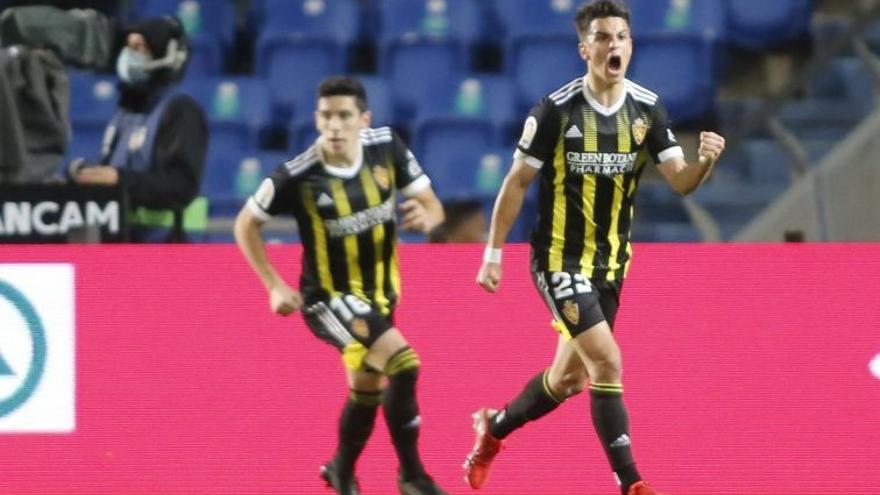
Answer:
[(642, 488), (486, 447)]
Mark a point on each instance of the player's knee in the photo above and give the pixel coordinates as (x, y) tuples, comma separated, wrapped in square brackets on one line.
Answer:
[(606, 368), (568, 384), (403, 361)]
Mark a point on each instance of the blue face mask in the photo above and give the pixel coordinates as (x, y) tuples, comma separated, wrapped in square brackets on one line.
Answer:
[(130, 66)]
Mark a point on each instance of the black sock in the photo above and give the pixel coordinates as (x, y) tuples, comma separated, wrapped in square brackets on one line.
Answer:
[(402, 411), (612, 426), (355, 426), (534, 401)]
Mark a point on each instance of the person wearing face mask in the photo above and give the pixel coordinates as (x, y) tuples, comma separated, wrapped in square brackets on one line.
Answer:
[(156, 143)]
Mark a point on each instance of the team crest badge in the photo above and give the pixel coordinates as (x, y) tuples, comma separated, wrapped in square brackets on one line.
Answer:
[(571, 312), (639, 130), (360, 328), (380, 174)]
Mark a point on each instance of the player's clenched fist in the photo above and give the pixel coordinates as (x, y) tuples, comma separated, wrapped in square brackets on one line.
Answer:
[(711, 146), (489, 276)]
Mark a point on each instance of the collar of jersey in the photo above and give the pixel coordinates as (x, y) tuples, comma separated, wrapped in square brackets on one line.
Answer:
[(342, 172), (602, 109)]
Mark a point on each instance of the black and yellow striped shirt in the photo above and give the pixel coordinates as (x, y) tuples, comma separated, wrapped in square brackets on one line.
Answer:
[(346, 217), (590, 159)]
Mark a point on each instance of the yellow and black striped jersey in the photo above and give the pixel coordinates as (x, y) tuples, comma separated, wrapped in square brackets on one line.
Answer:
[(590, 159), (346, 217)]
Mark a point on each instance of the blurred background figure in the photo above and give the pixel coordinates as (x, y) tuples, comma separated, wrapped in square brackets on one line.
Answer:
[(465, 222), (156, 143)]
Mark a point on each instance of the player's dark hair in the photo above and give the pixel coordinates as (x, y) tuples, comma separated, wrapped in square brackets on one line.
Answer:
[(598, 10), (344, 86)]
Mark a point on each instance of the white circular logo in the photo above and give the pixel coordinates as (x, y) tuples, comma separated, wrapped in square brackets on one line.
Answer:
[(874, 366)]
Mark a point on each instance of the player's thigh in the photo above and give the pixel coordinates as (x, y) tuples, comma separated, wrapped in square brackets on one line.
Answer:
[(572, 299), (385, 346), (350, 324), (364, 380)]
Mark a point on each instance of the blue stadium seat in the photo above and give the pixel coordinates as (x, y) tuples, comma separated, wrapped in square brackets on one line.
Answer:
[(94, 98), (486, 97), (436, 19), (379, 99), (767, 162), (760, 25), (679, 68), (229, 180), (539, 65), (199, 17), (204, 57), (234, 101), (701, 17), (86, 139), (293, 66), (845, 78), (822, 118), (451, 151), (537, 17), (412, 65), (312, 19), (301, 135)]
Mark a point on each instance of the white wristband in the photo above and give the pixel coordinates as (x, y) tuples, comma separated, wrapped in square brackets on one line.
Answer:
[(492, 255)]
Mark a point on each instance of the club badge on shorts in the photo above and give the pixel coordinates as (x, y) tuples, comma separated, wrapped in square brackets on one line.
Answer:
[(639, 130), (360, 328), (571, 312)]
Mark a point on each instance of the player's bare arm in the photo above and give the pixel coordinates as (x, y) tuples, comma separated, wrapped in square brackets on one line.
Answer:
[(283, 299), (507, 207), (684, 177), (422, 212)]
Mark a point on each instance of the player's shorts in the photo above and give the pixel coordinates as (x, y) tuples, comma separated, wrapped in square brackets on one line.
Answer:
[(348, 323), (576, 302)]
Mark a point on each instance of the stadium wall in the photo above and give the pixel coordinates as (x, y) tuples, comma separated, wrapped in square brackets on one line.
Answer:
[(747, 371)]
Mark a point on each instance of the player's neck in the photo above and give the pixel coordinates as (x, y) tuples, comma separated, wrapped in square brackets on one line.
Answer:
[(344, 159), (605, 93)]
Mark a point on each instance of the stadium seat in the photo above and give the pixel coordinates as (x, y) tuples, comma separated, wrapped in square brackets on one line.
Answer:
[(539, 65), (379, 99), (845, 78), (822, 118), (764, 25), (452, 152), (200, 18), (412, 65), (700, 17), (301, 43), (312, 19), (537, 17), (205, 57), (242, 102), (437, 19), (486, 97), (293, 66), (230, 179), (767, 162), (679, 68), (86, 139), (94, 98)]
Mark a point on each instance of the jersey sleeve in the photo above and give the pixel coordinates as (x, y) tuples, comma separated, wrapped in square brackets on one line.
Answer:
[(408, 173), (540, 134), (274, 195), (661, 140)]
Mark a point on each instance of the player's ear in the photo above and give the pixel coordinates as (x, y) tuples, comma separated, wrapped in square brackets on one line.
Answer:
[(367, 118), (583, 51)]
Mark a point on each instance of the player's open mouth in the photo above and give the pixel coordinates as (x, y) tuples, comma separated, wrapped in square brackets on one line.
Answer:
[(614, 63)]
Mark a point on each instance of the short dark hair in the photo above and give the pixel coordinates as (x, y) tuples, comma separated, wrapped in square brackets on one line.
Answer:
[(344, 86), (598, 10)]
